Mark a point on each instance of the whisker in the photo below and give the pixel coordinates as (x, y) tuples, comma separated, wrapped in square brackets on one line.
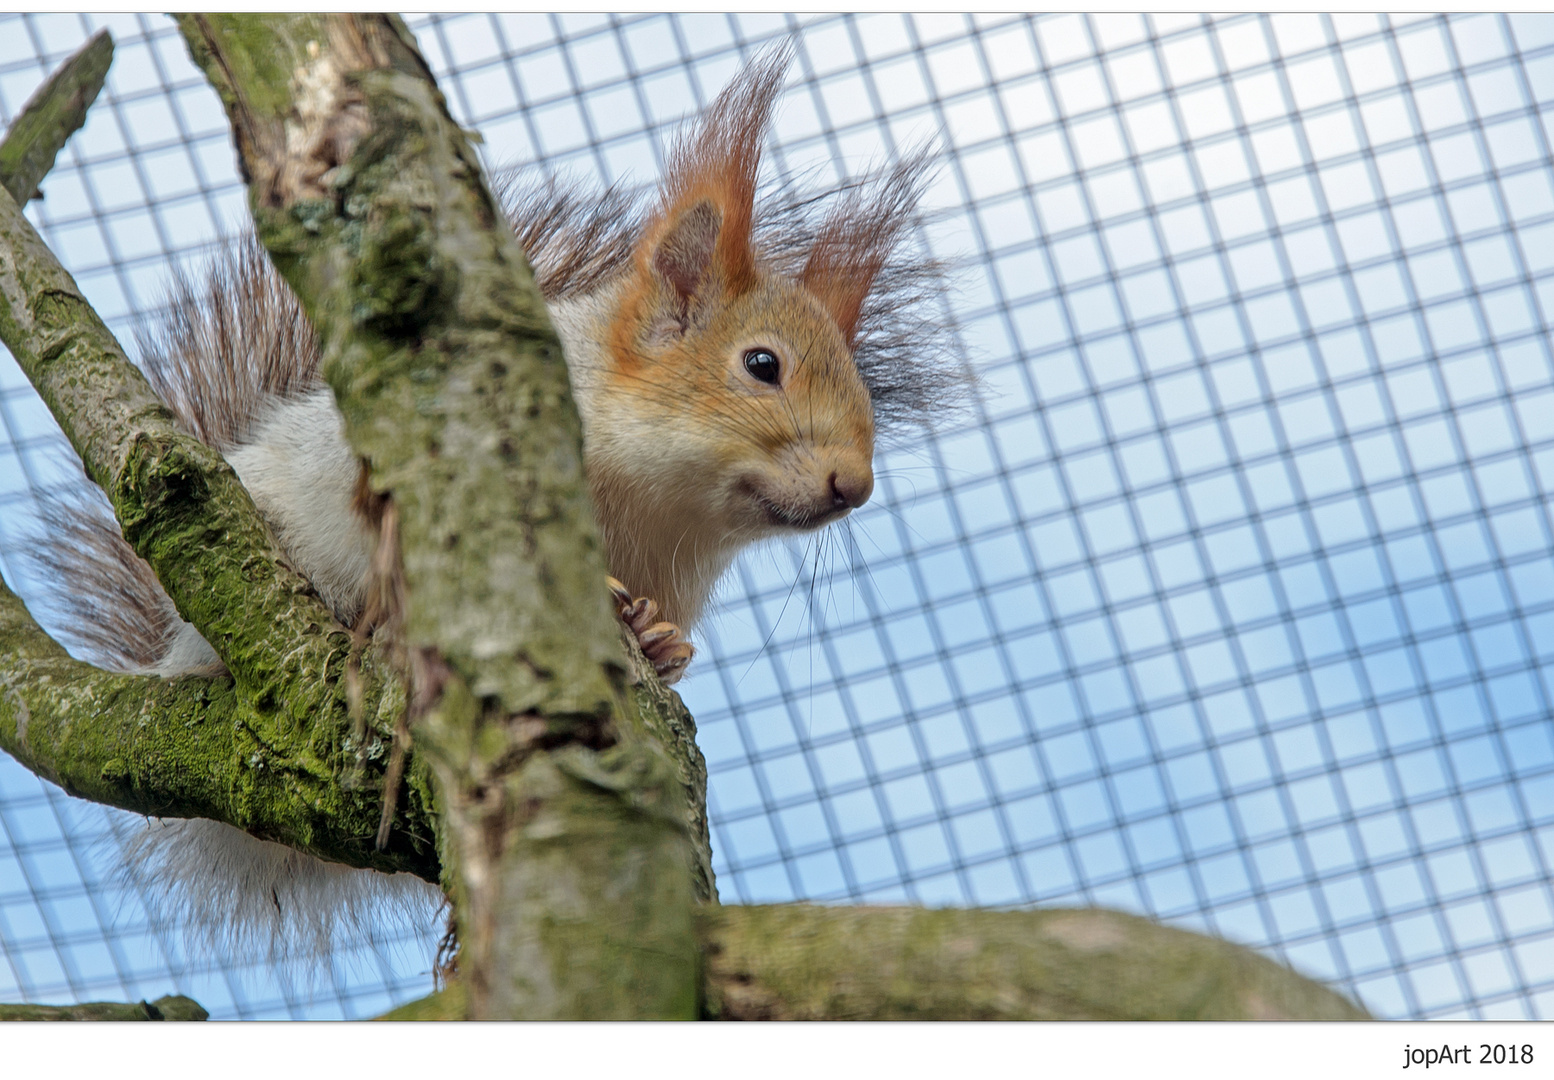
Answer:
[(770, 633)]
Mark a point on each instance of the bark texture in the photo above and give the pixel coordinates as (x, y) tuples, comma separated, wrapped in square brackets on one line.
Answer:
[(567, 844), (805, 962), (264, 751), (164, 1008), (800, 962), (179, 503), (199, 748), (54, 113)]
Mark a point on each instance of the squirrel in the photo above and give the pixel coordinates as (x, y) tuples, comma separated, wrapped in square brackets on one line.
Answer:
[(733, 360)]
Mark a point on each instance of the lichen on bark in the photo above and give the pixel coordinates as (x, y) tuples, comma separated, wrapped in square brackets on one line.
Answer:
[(262, 751), (566, 843), (198, 748), (175, 1007), (54, 112), (807, 962), (801, 962), (179, 503)]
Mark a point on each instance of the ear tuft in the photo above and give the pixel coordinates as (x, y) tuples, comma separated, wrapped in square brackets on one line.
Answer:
[(715, 164), (858, 238), (683, 255)]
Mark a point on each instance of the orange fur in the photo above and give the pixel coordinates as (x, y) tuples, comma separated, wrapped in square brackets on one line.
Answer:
[(856, 242), (690, 457), (687, 457)]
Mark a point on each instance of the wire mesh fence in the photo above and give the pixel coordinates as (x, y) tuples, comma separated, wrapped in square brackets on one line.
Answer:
[(1235, 604)]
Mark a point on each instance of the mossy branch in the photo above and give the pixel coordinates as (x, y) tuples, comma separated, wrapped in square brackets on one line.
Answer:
[(566, 837), (263, 753), (806, 962), (54, 112), (198, 748), (176, 1007), (179, 503), (437, 345), (802, 962)]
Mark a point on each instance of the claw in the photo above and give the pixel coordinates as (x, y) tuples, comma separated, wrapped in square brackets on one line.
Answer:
[(622, 596), (656, 633), (662, 642), (670, 657), (641, 615), (671, 670)]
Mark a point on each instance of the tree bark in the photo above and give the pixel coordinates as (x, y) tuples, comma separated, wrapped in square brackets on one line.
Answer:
[(163, 1008), (200, 748), (264, 751), (54, 112), (566, 841), (799, 962), (179, 503), (803, 962)]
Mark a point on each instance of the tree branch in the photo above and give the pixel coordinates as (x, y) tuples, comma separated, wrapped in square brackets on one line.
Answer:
[(264, 754), (54, 112), (661, 713), (802, 962), (176, 1007), (806, 962), (179, 503), (564, 825), (198, 748)]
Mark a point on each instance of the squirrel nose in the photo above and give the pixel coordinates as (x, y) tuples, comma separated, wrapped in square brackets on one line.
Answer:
[(851, 490)]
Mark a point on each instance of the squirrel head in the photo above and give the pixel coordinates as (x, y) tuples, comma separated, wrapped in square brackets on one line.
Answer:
[(732, 367), (760, 413), (761, 410)]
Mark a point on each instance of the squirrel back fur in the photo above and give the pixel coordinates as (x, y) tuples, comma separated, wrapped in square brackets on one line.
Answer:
[(732, 358)]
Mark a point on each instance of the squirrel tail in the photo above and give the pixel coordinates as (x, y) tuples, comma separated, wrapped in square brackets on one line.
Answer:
[(115, 614), (223, 355), (230, 346), (230, 355), (233, 895), (251, 900)]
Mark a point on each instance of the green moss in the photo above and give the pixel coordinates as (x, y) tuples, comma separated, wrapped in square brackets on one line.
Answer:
[(175, 1007), (259, 56), (55, 112), (197, 748), (813, 963), (450, 1003)]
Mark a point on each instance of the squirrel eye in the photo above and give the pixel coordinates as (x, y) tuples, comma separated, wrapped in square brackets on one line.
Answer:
[(762, 364)]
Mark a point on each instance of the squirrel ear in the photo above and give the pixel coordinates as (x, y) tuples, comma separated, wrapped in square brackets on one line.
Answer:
[(858, 238), (705, 218), (840, 273), (684, 253)]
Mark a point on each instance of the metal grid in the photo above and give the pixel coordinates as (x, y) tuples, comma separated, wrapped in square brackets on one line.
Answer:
[(1236, 605)]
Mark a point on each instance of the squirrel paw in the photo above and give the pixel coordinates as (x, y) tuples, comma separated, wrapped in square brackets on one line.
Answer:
[(663, 643)]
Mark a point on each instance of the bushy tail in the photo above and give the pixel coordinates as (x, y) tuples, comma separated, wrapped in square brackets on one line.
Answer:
[(232, 342), (115, 613), (222, 355), (250, 900), (227, 353)]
